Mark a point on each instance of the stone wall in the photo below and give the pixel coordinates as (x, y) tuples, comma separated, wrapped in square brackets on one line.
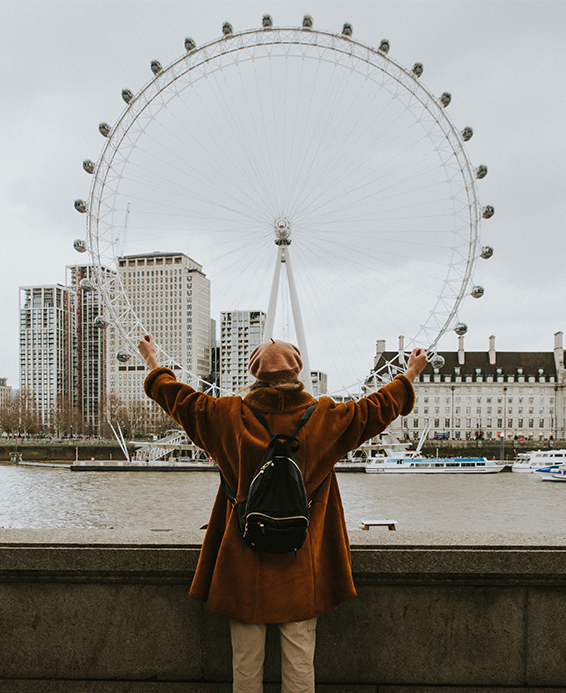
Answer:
[(100, 610)]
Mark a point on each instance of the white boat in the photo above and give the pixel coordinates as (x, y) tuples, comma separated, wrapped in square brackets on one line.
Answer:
[(414, 463), (555, 472), (537, 459)]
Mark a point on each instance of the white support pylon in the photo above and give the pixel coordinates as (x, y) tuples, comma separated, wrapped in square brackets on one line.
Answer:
[(283, 257)]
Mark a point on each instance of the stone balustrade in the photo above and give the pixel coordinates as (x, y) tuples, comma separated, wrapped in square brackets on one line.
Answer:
[(93, 611)]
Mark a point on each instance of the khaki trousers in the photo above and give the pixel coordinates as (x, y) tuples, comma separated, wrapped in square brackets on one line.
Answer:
[(298, 640)]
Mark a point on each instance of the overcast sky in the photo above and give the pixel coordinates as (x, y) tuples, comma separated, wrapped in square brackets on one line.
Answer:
[(65, 63)]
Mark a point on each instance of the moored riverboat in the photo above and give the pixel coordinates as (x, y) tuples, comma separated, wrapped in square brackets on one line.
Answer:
[(554, 472), (537, 459), (417, 464)]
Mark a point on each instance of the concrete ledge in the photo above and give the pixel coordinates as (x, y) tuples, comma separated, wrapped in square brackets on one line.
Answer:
[(377, 556), (103, 610)]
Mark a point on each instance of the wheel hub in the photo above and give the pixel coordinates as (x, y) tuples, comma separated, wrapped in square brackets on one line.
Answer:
[(282, 231)]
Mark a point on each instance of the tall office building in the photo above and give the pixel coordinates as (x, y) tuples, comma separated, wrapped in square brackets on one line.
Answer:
[(240, 332), (88, 349), (171, 295), (46, 344)]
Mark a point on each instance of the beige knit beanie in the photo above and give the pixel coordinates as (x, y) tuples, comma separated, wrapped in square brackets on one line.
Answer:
[(275, 360)]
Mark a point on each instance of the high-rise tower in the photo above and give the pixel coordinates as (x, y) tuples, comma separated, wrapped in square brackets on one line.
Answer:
[(171, 296), (46, 345), (240, 332)]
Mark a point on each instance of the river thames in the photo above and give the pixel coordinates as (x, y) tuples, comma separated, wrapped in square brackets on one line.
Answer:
[(48, 498)]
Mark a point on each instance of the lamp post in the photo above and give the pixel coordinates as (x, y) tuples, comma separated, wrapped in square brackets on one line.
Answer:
[(502, 446)]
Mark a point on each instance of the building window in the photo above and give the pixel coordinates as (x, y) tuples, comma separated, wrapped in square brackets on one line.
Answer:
[(531, 423)]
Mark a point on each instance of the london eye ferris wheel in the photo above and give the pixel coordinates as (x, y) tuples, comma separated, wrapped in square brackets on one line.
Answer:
[(313, 178)]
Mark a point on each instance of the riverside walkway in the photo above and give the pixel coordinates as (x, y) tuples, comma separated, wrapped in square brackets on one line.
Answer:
[(92, 611)]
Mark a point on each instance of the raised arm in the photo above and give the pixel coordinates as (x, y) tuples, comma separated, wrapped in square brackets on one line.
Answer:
[(148, 350)]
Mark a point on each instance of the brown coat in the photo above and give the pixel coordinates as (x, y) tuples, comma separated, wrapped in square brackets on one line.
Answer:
[(259, 587)]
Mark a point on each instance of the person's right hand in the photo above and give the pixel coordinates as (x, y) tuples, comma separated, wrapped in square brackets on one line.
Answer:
[(148, 350), (417, 363)]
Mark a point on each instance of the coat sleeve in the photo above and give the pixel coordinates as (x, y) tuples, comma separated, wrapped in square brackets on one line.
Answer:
[(345, 426), (198, 413)]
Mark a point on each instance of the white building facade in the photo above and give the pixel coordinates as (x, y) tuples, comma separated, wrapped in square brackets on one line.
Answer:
[(47, 327), (485, 395), (170, 294), (241, 331)]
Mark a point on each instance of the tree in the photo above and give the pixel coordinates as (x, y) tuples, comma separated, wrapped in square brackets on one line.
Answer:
[(28, 415), (111, 410), (138, 418), (66, 418), (9, 417)]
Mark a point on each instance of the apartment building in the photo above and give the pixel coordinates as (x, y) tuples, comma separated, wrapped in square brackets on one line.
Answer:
[(240, 332), (47, 324), (5, 392), (488, 394), (319, 383), (89, 345), (171, 295)]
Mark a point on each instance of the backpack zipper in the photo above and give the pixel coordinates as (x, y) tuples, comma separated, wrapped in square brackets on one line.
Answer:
[(272, 464), (270, 517)]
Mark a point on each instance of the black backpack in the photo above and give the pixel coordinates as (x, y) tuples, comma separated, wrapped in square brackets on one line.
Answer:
[(274, 516)]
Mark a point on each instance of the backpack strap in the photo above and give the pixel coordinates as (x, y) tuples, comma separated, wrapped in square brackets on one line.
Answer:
[(304, 418), (227, 490)]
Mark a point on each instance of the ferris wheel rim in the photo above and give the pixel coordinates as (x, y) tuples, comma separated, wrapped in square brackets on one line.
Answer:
[(233, 43)]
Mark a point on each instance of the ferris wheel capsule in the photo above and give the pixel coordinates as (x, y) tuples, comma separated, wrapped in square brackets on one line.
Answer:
[(488, 212), (266, 21), (384, 46), (467, 133), (79, 245), (227, 29), (437, 361), (156, 67), (307, 22), (86, 285), (478, 291), (190, 45), (123, 356), (446, 98), (418, 69), (127, 95), (461, 329), (89, 166), (81, 206), (486, 252), (347, 30), (104, 129), (101, 322), (481, 171)]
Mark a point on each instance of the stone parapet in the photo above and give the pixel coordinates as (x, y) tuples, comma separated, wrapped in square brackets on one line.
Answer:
[(106, 610)]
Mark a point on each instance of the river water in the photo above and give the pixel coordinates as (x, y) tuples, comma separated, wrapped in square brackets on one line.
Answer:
[(32, 497)]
